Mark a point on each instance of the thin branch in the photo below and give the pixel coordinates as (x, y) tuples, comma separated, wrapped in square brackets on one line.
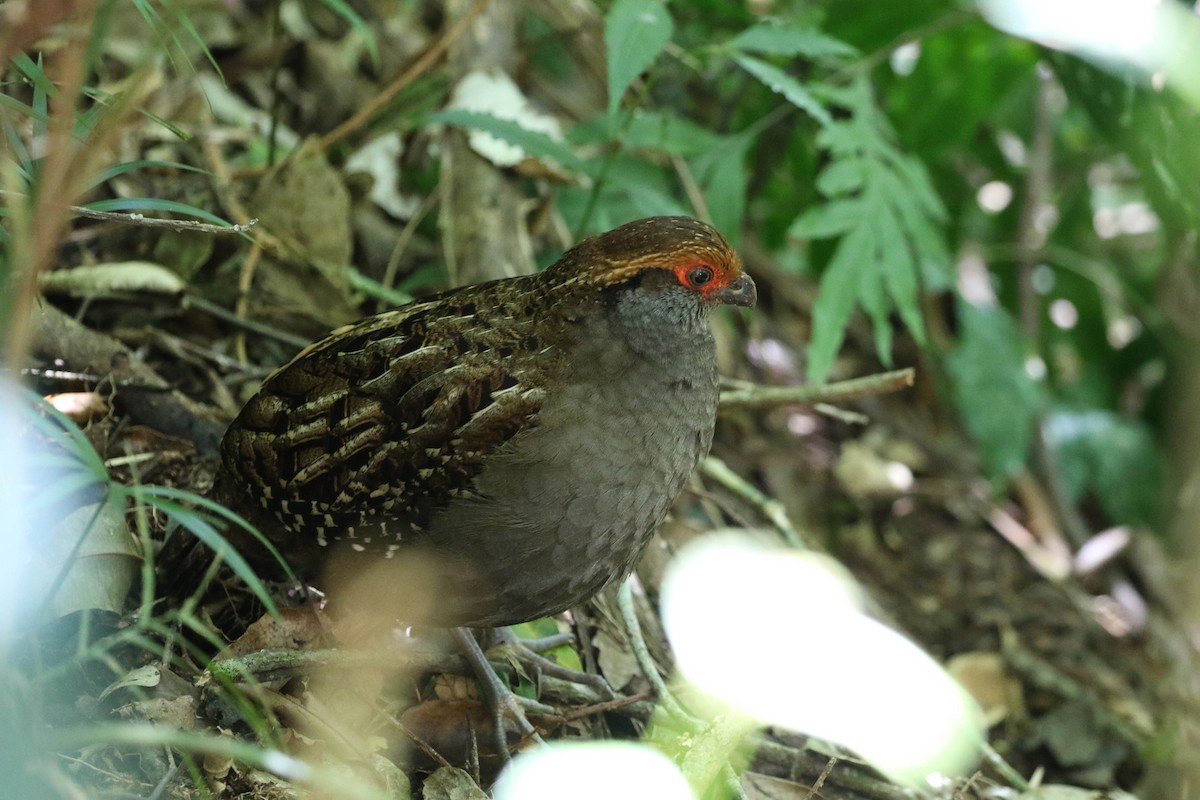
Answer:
[(406, 78), (759, 397), (135, 218), (717, 470)]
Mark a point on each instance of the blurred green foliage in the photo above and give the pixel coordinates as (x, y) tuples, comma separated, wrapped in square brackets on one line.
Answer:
[(877, 148)]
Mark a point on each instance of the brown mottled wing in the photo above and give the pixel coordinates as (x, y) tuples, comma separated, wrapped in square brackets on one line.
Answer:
[(368, 433)]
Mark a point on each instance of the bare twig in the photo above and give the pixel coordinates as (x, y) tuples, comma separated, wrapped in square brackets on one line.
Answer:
[(819, 783), (1031, 233), (406, 235), (1014, 778), (641, 653), (418, 68), (242, 308), (691, 188), (840, 392), (773, 510), (142, 221)]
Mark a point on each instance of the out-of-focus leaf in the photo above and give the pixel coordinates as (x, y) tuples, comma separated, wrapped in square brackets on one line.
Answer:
[(725, 179), (374, 288), (534, 143), (635, 32), (662, 131), (871, 184), (1112, 456), (900, 272), (139, 204), (87, 561), (129, 166), (33, 71), (108, 280), (360, 26), (780, 82), (24, 111), (828, 219), (786, 40), (996, 397), (841, 177), (546, 626), (170, 502), (452, 783), (835, 301)]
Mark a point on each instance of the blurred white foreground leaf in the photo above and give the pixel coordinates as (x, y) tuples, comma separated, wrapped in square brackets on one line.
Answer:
[(780, 635), (591, 771), (1158, 39)]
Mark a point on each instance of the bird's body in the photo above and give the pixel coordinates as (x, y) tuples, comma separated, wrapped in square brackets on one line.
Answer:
[(527, 435)]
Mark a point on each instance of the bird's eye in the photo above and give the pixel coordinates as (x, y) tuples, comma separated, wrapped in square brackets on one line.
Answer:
[(699, 276)]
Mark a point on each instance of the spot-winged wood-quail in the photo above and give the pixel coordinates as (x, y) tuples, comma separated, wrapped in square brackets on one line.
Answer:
[(526, 436)]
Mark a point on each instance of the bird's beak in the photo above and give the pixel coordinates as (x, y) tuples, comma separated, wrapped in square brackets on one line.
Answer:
[(740, 292)]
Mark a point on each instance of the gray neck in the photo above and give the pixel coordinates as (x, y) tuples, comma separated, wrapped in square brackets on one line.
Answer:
[(667, 328)]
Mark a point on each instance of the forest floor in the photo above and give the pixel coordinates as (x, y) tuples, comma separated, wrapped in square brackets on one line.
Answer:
[(1066, 644)]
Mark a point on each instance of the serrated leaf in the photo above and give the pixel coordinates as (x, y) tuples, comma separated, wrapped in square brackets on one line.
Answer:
[(844, 176), (900, 273), (534, 143), (871, 294), (828, 219), (914, 179), (927, 242), (836, 299), (635, 33), (783, 40), (657, 130), (996, 397), (780, 82)]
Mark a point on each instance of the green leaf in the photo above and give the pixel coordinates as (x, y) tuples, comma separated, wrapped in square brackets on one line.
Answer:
[(871, 294), (375, 289), (783, 40), (635, 33), (780, 82), (664, 132), (534, 143), (835, 300), (109, 173), (725, 186), (33, 71), (844, 176), (900, 272), (22, 110), (547, 626), (138, 204), (170, 502), (343, 10), (996, 397), (828, 219)]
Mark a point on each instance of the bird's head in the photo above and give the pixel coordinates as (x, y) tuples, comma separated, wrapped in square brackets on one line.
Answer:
[(661, 252)]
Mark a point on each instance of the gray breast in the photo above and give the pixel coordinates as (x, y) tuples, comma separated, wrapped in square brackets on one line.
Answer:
[(568, 506)]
